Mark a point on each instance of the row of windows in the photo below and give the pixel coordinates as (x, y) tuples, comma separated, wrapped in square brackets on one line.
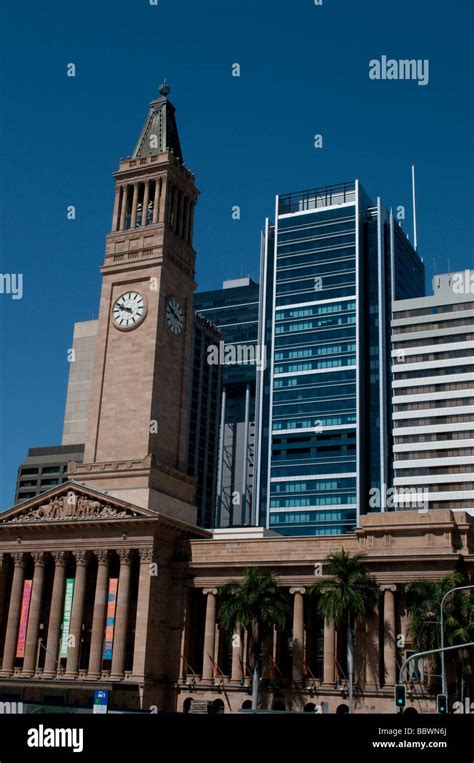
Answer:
[(315, 380), (426, 389), (400, 407), (312, 485), (315, 394), (460, 504), (314, 501), (317, 328), (436, 437), (309, 294), (305, 312), (447, 453), (333, 219), (407, 358), (310, 409), (448, 371), (317, 232), (325, 421), (435, 420), (317, 516), (427, 470), (434, 340), (332, 467), (311, 262), (350, 360), (434, 310), (311, 352), (308, 339), (412, 328)]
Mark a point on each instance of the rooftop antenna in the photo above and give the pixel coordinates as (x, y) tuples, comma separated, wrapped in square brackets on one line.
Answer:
[(413, 183)]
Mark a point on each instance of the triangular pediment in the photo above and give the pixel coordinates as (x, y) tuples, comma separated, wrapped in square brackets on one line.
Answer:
[(72, 502)]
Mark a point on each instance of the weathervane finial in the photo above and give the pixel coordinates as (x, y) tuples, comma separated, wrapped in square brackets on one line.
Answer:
[(164, 88)]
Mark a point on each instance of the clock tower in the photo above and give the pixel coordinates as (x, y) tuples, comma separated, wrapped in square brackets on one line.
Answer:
[(136, 443)]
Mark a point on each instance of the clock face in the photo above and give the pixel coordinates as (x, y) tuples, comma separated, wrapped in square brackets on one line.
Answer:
[(174, 316), (128, 310)]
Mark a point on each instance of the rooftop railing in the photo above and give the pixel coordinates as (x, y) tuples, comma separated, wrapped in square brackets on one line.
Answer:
[(315, 198)]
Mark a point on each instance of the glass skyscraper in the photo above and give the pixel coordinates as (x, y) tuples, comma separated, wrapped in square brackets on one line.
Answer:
[(332, 263), (234, 310)]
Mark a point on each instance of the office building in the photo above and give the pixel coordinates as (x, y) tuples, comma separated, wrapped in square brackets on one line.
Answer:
[(234, 310), (44, 468), (333, 261), (204, 419), (433, 396)]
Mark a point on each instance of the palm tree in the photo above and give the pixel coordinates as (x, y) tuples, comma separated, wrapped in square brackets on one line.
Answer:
[(348, 595), (423, 601), (255, 604)]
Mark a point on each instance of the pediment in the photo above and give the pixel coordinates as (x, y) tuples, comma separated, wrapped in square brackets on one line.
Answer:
[(72, 502)]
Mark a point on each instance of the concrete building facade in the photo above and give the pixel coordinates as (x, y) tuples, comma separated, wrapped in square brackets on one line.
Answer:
[(433, 396)]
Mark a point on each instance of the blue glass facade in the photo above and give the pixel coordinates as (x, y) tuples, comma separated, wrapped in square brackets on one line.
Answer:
[(327, 283), (234, 309)]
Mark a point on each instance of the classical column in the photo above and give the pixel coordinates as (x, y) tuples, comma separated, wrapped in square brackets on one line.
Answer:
[(75, 632), (156, 202), (57, 604), (31, 643), (133, 219), (146, 621), (329, 675), (3, 583), (121, 615), (99, 614), (146, 195), (185, 633), (123, 209), (236, 673), (115, 216), (390, 651), (209, 633), (14, 609), (298, 634)]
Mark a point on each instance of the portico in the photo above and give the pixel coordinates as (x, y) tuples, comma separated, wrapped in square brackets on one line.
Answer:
[(114, 560)]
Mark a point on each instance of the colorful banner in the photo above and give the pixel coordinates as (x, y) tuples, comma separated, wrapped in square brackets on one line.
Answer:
[(25, 608), (110, 621), (68, 597)]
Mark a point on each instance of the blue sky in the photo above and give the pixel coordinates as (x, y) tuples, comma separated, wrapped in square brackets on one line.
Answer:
[(304, 71)]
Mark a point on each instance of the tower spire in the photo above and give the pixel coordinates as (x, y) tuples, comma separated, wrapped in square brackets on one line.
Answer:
[(160, 132)]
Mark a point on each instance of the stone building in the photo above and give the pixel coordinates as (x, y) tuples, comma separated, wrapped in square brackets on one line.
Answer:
[(167, 648)]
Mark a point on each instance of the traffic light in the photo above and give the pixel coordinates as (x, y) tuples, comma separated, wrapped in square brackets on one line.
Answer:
[(442, 704), (400, 695)]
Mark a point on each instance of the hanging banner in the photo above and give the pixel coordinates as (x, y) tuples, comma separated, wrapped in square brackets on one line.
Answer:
[(68, 597), (110, 621), (25, 608)]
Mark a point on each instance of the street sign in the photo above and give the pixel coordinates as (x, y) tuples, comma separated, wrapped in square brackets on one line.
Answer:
[(101, 700)]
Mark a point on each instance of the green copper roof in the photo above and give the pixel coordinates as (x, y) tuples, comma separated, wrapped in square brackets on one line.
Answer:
[(160, 132)]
